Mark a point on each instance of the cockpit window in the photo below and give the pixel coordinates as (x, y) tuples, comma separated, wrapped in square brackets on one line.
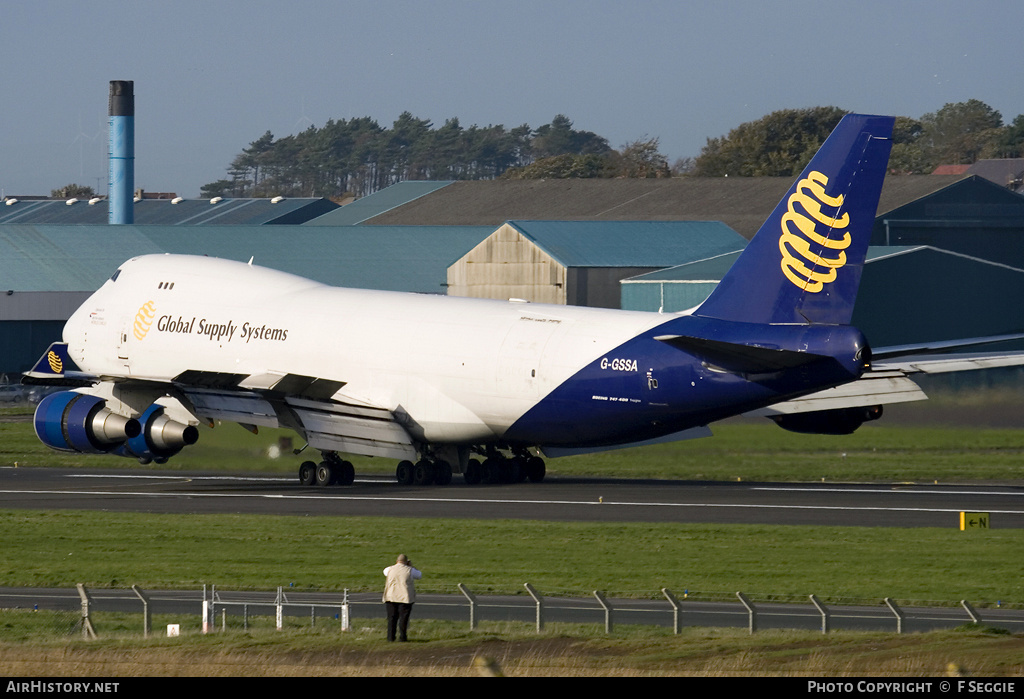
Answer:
[(114, 278)]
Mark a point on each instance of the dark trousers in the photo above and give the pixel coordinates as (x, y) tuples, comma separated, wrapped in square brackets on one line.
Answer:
[(398, 620)]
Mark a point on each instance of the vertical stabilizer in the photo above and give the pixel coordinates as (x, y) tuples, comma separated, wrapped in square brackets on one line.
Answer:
[(804, 264)]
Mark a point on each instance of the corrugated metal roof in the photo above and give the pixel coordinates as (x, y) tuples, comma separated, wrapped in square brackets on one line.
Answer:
[(742, 203), (905, 295), (629, 243), (378, 203), (711, 269), (714, 268), (77, 258), (193, 212)]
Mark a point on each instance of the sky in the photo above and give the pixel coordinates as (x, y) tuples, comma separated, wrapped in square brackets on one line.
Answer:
[(212, 76)]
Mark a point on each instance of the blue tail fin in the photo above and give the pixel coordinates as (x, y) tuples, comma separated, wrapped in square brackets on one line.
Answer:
[(54, 362), (804, 263)]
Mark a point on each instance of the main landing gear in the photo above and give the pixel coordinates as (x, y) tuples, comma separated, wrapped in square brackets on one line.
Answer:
[(333, 470), (424, 472), (495, 468)]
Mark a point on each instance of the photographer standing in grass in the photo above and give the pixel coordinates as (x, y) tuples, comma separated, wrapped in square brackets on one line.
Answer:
[(399, 596)]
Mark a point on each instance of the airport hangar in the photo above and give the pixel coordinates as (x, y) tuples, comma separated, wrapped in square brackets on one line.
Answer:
[(464, 237)]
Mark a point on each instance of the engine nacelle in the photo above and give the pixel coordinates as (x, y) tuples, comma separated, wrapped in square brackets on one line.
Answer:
[(159, 438), (70, 421), (839, 421)]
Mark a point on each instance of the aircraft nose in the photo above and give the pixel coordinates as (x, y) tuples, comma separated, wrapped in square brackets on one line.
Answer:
[(75, 331)]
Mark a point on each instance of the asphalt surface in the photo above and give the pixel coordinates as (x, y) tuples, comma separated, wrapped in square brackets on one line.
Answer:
[(556, 499)]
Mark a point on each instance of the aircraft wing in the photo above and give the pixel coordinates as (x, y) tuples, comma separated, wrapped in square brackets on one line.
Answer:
[(308, 404), (311, 405)]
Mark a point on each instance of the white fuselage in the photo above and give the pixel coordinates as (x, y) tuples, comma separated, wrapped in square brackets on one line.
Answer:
[(460, 370)]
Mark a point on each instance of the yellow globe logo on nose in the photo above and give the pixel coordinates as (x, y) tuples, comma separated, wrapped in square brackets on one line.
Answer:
[(55, 363), (144, 319)]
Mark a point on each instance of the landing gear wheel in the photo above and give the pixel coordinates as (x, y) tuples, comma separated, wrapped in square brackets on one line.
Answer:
[(307, 473), (404, 473), (516, 470), (472, 474), (324, 474), (424, 473), (535, 469), (345, 473), (442, 473), (490, 470)]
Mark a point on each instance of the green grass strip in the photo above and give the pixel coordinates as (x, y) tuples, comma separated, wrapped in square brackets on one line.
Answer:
[(101, 549)]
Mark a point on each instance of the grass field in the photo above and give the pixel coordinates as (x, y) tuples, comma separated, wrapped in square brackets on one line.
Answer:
[(439, 649), (103, 549), (777, 563)]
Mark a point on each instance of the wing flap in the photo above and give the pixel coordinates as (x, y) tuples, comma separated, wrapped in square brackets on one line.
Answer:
[(353, 429), (306, 403), (234, 406)]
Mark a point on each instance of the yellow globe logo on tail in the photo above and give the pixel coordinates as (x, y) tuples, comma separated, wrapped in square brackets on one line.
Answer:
[(800, 237), (55, 363), (144, 319)]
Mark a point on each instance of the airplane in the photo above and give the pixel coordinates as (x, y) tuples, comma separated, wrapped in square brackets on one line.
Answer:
[(485, 388)]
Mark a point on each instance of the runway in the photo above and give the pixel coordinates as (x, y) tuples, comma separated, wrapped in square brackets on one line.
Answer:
[(556, 499)]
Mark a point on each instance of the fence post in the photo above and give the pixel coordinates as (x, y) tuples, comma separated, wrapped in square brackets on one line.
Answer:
[(751, 612), (970, 611), (279, 604), (472, 605), (897, 612), (146, 615), (607, 611), (346, 622), (675, 609), (206, 611), (88, 632), (540, 605), (825, 615)]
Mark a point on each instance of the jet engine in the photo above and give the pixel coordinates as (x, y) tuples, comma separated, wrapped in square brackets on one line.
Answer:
[(70, 421), (839, 421), (159, 438)]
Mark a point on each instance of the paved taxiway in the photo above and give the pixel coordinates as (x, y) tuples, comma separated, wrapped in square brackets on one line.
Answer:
[(557, 498)]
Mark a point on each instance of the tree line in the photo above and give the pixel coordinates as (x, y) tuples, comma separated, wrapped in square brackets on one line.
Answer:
[(356, 157), (783, 142)]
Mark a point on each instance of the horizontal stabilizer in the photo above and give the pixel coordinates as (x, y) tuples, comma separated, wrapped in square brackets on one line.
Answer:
[(740, 358), (944, 364), (874, 388), (56, 368), (941, 346)]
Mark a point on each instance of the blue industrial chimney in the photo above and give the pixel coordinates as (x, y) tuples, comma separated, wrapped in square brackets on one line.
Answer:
[(121, 187)]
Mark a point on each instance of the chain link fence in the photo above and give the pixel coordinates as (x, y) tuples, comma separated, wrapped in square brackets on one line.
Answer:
[(50, 613)]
